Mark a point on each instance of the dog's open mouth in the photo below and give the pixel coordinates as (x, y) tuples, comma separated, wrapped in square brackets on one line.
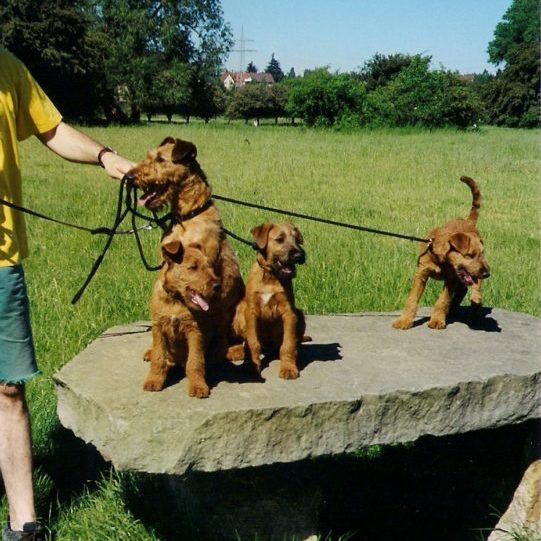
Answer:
[(284, 270), (151, 196), (197, 299), (464, 276)]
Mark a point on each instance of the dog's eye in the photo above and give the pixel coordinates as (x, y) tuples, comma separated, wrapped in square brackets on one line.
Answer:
[(279, 239), (159, 158), (192, 267)]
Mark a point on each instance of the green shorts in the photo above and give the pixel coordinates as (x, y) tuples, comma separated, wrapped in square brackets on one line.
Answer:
[(17, 357)]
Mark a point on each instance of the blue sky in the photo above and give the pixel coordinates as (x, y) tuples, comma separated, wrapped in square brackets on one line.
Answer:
[(343, 34)]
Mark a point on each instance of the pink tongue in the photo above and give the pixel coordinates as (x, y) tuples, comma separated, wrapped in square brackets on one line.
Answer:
[(143, 200), (200, 301), (468, 279)]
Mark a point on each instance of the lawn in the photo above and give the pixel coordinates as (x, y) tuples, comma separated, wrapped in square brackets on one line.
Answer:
[(405, 181)]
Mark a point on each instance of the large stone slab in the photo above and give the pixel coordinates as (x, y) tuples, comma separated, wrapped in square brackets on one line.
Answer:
[(361, 383)]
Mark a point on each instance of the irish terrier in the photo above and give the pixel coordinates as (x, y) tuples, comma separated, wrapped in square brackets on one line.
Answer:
[(183, 317), (454, 254), (170, 175), (267, 318)]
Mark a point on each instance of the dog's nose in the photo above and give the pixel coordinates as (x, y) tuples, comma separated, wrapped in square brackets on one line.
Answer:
[(299, 257), (485, 274)]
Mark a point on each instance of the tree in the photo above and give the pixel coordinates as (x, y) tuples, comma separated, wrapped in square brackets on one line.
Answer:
[(322, 98), (512, 97), (254, 100), (53, 39), (520, 26), (275, 70), (380, 69), (422, 97), (112, 54), (170, 91), (252, 68), (209, 98), (146, 36), (291, 73)]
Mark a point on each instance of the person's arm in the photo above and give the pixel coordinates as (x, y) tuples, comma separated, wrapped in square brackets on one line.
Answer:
[(75, 146)]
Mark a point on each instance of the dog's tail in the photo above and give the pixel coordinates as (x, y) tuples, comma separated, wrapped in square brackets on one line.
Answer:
[(476, 195)]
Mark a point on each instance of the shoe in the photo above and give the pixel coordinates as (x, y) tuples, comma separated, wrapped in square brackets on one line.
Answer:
[(32, 531)]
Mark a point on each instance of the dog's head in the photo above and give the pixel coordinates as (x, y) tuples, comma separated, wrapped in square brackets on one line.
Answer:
[(188, 275), (163, 171), (465, 253), (279, 248)]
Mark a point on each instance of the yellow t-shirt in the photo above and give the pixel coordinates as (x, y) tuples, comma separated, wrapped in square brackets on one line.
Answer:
[(24, 110)]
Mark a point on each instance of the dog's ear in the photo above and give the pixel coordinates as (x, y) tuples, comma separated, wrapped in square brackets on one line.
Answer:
[(183, 152), (460, 242), (172, 249), (167, 140), (298, 234), (261, 234)]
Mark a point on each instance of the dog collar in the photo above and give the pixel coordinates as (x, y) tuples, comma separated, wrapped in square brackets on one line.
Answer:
[(193, 213)]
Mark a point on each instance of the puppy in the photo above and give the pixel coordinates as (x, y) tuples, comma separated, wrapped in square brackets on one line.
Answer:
[(170, 175), (267, 318), (455, 254), (182, 316)]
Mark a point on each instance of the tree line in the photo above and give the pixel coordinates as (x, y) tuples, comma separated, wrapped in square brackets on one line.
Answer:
[(121, 59)]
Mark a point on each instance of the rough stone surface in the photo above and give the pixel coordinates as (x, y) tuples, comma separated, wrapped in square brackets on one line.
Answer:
[(523, 517), (361, 383)]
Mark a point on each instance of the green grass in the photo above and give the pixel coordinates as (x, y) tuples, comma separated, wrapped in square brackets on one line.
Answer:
[(404, 181)]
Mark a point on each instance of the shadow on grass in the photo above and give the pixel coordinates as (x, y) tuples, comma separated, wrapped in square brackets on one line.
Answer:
[(451, 488), (436, 488)]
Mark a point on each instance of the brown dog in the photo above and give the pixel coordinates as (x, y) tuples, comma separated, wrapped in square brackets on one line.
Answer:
[(183, 318), (267, 317), (171, 175), (455, 254)]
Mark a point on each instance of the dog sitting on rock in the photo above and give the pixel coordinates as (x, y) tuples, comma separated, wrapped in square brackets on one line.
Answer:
[(454, 254), (171, 175), (267, 318), (183, 316)]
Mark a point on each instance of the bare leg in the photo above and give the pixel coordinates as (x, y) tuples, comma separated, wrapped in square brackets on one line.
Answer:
[(16, 455)]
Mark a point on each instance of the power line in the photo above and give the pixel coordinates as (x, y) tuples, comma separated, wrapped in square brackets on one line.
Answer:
[(242, 49)]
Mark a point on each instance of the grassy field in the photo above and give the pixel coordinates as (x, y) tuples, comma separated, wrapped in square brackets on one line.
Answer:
[(404, 181)]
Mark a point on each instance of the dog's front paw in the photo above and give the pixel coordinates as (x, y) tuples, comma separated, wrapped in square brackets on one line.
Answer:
[(288, 371), (154, 383), (235, 353), (198, 389), (403, 323), (437, 324), (147, 355)]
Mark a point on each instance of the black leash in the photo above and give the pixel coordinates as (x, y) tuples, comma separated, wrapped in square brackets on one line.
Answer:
[(91, 230), (130, 199), (119, 217), (317, 219)]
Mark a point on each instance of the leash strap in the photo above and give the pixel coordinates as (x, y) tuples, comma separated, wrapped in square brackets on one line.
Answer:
[(317, 219), (120, 215), (91, 230), (240, 239)]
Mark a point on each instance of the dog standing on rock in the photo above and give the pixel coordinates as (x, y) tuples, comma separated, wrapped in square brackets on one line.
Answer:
[(454, 254), (267, 318)]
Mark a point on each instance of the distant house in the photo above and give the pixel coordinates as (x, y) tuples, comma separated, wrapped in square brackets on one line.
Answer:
[(237, 79)]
